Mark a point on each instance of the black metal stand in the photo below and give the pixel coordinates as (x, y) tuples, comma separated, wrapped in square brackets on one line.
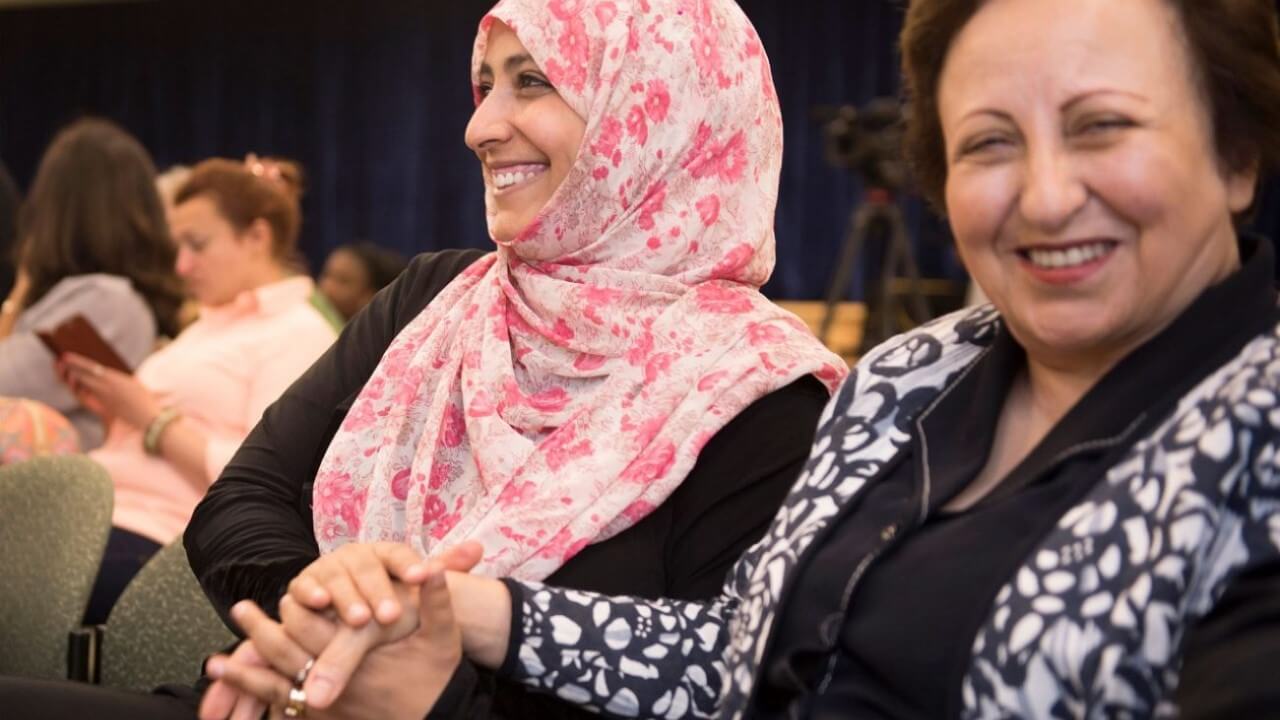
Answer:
[(878, 218)]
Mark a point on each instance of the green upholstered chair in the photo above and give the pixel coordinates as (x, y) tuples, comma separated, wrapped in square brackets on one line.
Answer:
[(161, 628), (55, 515)]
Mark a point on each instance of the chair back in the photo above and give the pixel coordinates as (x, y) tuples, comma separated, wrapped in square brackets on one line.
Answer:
[(55, 515), (161, 628)]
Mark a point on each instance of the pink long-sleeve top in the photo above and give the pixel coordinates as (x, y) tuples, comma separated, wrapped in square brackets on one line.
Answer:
[(220, 373)]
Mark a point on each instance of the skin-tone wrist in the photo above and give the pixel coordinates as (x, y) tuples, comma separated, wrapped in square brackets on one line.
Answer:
[(185, 447), (482, 608)]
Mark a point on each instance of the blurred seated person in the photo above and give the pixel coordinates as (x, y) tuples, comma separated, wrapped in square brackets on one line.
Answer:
[(9, 203), (353, 274), (93, 241), (288, 176), (176, 422), (29, 428), (167, 184)]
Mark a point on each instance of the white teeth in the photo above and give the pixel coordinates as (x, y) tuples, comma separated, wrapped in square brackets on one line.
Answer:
[(502, 180), (1071, 257)]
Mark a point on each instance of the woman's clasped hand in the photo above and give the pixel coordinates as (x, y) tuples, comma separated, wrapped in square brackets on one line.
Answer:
[(366, 631)]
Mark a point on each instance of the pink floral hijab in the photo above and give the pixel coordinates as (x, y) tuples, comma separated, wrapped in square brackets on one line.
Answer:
[(562, 387)]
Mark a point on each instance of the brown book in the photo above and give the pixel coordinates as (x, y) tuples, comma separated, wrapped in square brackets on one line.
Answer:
[(77, 335)]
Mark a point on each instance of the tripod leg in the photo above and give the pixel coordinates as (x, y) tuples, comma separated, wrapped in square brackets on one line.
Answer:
[(885, 313), (916, 298), (850, 251)]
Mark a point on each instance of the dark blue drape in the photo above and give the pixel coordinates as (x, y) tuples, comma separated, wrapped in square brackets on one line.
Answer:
[(372, 97)]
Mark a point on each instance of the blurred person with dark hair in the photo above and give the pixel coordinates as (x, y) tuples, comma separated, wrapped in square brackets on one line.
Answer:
[(353, 274), (9, 203), (92, 241), (176, 423)]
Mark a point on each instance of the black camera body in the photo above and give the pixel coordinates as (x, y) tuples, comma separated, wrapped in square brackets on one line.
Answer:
[(867, 141)]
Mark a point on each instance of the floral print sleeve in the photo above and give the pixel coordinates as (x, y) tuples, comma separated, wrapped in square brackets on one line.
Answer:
[(623, 657)]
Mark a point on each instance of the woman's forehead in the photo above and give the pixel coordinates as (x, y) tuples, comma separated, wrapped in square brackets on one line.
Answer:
[(504, 52), (1062, 50)]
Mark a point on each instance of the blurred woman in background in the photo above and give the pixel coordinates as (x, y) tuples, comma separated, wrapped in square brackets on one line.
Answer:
[(353, 274), (92, 241), (174, 424), (9, 202)]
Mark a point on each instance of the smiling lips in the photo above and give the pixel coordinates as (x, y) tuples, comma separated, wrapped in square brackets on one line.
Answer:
[(1066, 264), (507, 177)]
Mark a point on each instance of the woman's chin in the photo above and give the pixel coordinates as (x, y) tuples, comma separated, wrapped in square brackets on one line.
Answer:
[(1063, 332), (504, 228), (1078, 347)]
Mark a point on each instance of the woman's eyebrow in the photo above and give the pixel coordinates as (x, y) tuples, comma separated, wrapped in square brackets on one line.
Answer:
[(509, 65), (1083, 96), (515, 61)]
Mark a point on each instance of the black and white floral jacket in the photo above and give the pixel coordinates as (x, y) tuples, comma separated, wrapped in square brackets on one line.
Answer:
[(1092, 619)]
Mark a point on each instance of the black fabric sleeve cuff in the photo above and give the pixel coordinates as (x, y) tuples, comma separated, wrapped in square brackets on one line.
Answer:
[(515, 637)]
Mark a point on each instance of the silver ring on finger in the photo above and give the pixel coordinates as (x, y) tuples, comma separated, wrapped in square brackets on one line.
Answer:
[(297, 706)]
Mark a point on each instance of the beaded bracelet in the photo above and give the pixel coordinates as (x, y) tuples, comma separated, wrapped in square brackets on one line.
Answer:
[(156, 428)]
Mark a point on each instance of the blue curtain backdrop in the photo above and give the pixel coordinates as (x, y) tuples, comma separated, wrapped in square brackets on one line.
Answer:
[(372, 97)]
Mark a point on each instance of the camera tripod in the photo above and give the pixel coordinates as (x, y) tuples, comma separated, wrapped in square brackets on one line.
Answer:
[(877, 218)]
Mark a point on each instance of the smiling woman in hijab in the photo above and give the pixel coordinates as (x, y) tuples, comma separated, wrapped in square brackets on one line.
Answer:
[(606, 400)]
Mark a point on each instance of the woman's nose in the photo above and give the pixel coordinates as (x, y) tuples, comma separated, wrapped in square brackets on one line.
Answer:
[(490, 123), (1052, 190), (184, 262)]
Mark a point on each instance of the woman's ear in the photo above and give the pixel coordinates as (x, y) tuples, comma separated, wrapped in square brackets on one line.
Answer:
[(1242, 185), (259, 237)]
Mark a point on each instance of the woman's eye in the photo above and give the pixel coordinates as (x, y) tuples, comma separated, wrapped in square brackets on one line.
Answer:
[(484, 88), (981, 144), (530, 80), (1102, 124)]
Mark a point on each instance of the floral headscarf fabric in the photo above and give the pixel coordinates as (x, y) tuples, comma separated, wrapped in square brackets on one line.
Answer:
[(562, 387)]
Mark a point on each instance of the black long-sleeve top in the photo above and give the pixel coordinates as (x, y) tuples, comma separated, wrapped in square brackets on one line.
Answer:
[(252, 533)]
